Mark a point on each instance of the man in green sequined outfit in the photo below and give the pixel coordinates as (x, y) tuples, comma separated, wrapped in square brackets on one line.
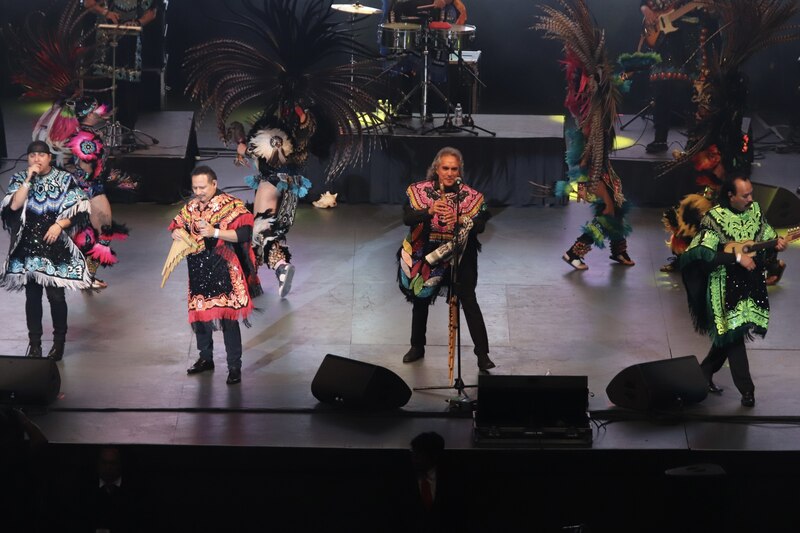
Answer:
[(727, 291)]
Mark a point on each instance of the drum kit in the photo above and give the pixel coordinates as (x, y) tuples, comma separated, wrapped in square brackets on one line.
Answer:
[(422, 37)]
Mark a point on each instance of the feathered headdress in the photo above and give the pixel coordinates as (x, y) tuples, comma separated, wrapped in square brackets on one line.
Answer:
[(47, 51), (720, 94), (592, 92), (295, 58)]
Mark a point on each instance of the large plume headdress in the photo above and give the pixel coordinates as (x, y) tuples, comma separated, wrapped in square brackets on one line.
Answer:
[(295, 57), (592, 92), (720, 94), (48, 49)]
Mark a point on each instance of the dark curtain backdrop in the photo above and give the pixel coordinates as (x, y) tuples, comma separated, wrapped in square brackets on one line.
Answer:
[(520, 69)]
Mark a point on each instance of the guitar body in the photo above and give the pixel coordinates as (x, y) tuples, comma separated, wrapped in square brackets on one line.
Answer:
[(741, 247), (751, 247), (657, 25), (655, 31)]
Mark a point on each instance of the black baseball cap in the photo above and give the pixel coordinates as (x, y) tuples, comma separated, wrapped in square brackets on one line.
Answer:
[(38, 147)]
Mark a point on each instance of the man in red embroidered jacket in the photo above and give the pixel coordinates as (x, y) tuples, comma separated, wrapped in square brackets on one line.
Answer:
[(222, 273)]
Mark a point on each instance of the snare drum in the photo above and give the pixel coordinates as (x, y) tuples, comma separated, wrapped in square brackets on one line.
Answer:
[(399, 36), (457, 35)]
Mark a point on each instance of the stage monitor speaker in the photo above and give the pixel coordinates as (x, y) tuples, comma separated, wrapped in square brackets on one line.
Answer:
[(532, 401), (28, 380), (780, 206), (665, 384), (350, 383)]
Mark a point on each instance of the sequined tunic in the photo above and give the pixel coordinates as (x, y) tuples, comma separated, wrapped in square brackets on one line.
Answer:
[(736, 302), (222, 276), (53, 196)]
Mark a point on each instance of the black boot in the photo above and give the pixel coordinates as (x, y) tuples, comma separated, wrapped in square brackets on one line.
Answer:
[(484, 363), (34, 349), (415, 353), (56, 353)]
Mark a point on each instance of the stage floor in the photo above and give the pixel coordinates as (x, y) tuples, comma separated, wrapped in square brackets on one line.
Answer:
[(124, 380), (124, 373)]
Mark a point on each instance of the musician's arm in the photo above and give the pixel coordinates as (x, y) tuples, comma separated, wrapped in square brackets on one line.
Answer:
[(100, 9), (148, 17)]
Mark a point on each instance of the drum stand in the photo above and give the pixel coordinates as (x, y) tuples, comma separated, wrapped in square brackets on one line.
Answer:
[(119, 138), (425, 84)]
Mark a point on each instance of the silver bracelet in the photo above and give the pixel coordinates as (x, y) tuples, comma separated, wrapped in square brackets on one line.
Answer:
[(26, 184), (216, 233)]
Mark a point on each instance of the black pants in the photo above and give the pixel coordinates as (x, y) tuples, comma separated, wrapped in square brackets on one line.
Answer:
[(33, 311), (230, 334), (736, 354), (472, 312), (672, 99)]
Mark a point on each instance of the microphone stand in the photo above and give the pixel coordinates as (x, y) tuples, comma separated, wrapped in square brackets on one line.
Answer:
[(461, 401)]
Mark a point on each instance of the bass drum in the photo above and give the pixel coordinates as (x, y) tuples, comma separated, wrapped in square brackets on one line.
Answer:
[(399, 36)]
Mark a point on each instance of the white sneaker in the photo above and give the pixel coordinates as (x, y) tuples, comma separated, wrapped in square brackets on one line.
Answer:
[(285, 273), (576, 263)]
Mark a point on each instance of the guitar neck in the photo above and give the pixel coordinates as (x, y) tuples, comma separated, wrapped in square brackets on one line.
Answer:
[(792, 235)]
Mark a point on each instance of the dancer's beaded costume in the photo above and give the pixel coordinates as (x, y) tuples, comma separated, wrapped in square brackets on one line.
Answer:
[(309, 103), (592, 99), (49, 53)]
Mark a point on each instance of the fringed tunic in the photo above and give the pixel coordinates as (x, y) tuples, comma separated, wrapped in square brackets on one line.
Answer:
[(727, 302), (52, 197), (222, 275)]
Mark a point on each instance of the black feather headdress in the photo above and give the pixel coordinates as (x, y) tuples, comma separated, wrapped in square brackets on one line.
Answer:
[(292, 58), (720, 94)]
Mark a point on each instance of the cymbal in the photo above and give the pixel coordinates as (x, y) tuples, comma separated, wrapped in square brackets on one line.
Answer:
[(356, 9)]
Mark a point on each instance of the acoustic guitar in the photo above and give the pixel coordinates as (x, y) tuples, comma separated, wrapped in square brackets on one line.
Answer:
[(657, 24), (751, 247)]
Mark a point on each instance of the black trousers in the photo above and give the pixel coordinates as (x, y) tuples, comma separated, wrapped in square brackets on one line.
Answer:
[(672, 99), (230, 334), (736, 354), (33, 311), (472, 312)]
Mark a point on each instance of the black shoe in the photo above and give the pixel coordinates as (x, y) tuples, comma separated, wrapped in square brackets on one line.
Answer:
[(484, 363), (56, 353), (414, 354), (234, 376), (748, 399), (656, 147), (34, 350), (713, 388), (201, 365)]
